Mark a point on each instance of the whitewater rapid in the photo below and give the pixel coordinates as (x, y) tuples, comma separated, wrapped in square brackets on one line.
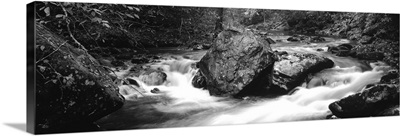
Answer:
[(179, 104), (304, 104)]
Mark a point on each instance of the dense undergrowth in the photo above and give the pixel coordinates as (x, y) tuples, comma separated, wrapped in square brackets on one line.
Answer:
[(108, 29)]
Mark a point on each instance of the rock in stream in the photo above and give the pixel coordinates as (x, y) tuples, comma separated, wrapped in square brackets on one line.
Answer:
[(237, 62)]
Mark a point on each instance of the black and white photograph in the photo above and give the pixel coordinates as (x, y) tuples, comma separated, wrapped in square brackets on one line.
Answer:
[(109, 66)]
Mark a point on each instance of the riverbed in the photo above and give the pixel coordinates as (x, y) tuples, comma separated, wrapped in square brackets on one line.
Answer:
[(179, 104)]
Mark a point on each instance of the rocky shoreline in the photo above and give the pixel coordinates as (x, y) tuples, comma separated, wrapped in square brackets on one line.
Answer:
[(240, 64)]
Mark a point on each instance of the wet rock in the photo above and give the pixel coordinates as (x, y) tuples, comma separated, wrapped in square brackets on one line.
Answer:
[(331, 116), (280, 53), (391, 111), (341, 50), (197, 47), (206, 46), (316, 39), (131, 81), (154, 57), (307, 39), (392, 77), (270, 41), (139, 60), (153, 78), (292, 69), (199, 80), (155, 90), (202, 47), (315, 82), (72, 90), (371, 101), (237, 62), (294, 39)]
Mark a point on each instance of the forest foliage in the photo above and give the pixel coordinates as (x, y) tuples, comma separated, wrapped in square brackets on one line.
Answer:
[(128, 26), (137, 27)]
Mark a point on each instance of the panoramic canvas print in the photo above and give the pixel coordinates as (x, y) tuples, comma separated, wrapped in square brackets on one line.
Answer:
[(104, 66)]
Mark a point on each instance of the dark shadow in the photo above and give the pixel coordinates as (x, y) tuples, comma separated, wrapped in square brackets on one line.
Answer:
[(19, 126)]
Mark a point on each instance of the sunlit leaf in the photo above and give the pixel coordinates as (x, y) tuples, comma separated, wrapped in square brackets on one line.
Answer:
[(47, 11), (81, 23), (59, 15), (84, 8), (136, 15), (129, 15), (106, 25), (137, 9), (69, 10), (42, 68), (96, 19)]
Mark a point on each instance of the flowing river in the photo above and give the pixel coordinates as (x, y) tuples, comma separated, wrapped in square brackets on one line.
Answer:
[(179, 104)]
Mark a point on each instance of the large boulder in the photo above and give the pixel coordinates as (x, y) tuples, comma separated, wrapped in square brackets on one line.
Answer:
[(292, 69), (376, 100), (72, 89), (237, 62)]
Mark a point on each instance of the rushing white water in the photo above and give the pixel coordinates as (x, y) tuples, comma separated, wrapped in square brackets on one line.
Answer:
[(199, 108), (178, 87), (304, 104)]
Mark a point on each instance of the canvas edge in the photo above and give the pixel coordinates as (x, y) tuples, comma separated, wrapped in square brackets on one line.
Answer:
[(31, 89)]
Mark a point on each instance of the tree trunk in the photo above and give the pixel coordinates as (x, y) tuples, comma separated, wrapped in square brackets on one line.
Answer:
[(218, 23)]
